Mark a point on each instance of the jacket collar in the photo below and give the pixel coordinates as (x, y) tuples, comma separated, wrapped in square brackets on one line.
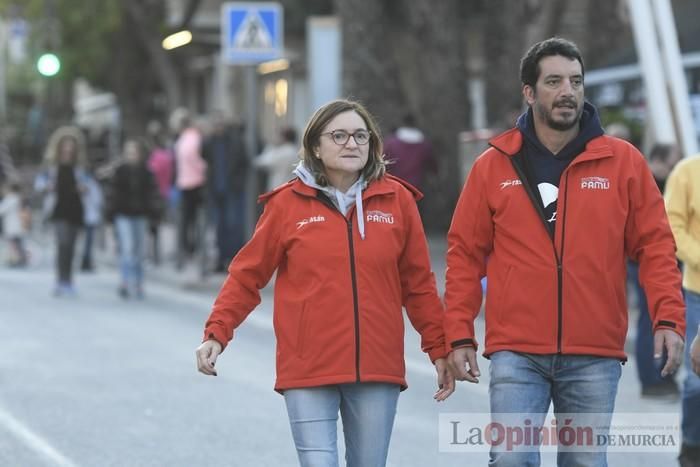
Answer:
[(510, 143), (382, 186)]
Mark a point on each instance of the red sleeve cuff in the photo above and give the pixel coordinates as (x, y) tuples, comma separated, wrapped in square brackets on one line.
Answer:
[(210, 334)]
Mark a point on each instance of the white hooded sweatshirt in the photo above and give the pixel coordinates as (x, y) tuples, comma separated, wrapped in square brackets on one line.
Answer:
[(340, 200)]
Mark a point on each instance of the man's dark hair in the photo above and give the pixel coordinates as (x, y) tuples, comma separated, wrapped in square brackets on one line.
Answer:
[(409, 120), (530, 63), (661, 151), (289, 134)]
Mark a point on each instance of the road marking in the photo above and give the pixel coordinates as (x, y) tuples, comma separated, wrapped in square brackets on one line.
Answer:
[(33, 441)]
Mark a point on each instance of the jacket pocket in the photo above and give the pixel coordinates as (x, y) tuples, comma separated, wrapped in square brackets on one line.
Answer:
[(502, 296), (301, 331)]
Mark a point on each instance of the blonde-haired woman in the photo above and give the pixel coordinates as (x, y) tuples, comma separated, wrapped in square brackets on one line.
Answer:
[(62, 182), (349, 249)]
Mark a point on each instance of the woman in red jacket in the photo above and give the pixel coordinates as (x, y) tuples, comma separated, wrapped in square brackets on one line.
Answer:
[(349, 249)]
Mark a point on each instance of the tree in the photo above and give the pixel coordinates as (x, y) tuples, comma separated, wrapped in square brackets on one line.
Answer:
[(107, 43), (508, 36), (60, 26), (402, 56), (143, 15)]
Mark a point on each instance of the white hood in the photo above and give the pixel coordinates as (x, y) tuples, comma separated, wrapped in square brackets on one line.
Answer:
[(340, 200), (410, 135)]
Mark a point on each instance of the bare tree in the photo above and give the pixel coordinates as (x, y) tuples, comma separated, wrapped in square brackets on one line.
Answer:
[(507, 37), (145, 17), (402, 57), (370, 67)]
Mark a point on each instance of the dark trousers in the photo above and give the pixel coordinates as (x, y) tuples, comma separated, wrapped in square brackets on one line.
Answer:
[(66, 235), (20, 254), (190, 203), (228, 210)]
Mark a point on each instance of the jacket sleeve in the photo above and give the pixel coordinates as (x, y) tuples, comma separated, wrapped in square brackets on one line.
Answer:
[(469, 242), (249, 272), (418, 289), (679, 213), (649, 241), (112, 190)]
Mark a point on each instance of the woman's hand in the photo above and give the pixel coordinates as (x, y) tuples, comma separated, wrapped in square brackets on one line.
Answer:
[(207, 353), (445, 379)]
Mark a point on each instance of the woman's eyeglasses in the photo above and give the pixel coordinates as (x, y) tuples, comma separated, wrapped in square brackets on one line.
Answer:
[(341, 137)]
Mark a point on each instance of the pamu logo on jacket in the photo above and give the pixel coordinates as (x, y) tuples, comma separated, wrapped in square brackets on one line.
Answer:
[(595, 183), (310, 220), (381, 217)]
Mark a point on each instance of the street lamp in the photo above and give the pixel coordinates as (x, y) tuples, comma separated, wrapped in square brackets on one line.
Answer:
[(177, 39)]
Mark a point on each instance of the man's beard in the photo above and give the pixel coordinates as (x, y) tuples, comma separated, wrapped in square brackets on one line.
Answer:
[(559, 125)]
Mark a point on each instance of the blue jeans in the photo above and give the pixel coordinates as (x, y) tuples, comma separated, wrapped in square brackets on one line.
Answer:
[(690, 425), (87, 246), (648, 368), (131, 233), (367, 411), (526, 384)]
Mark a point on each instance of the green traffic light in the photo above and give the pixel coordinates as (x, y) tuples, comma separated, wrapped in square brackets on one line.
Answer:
[(48, 64)]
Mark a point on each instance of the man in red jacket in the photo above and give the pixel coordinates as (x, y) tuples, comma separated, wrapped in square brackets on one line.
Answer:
[(556, 206)]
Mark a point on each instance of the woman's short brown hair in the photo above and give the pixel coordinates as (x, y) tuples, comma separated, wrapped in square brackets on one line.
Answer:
[(375, 167)]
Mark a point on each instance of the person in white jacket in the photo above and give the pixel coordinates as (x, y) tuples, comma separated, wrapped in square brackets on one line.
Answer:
[(279, 160), (11, 213)]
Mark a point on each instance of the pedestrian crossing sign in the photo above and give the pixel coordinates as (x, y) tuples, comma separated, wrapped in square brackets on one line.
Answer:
[(251, 32)]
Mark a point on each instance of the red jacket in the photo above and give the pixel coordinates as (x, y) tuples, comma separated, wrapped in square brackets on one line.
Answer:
[(337, 310), (568, 295)]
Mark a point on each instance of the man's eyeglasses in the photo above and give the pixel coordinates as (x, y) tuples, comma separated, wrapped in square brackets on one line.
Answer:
[(341, 137)]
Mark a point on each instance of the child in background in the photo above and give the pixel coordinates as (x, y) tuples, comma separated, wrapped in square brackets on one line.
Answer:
[(11, 213)]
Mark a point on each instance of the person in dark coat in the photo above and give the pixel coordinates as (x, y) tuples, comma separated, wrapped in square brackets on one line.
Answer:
[(228, 165), (133, 200), (62, 184), (410, 154)]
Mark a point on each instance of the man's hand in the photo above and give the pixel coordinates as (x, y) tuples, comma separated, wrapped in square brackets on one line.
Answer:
[(207, 353), (458, 360), (673, 343), (445, 379), (695, 354)]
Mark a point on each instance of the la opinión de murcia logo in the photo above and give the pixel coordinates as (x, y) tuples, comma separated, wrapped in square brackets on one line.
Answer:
[(595, 183), (310, 220), (380, 217), (580, 432), (513, 182)]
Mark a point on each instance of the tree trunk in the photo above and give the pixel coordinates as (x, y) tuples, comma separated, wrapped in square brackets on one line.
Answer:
[(400, 57), (161, 61), (370, 69), (431, 47), (504, 44)]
